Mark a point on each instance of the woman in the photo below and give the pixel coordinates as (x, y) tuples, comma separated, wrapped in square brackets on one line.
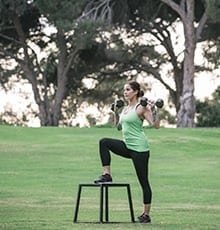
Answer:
[(134, 145)]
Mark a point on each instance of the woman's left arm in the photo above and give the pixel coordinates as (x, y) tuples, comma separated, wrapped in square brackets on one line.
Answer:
[(151, 115)]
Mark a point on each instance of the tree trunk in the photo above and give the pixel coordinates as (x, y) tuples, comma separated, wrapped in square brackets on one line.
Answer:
[(49, 113), (62, 69), (176, 94), (28, 69), (186, 114)]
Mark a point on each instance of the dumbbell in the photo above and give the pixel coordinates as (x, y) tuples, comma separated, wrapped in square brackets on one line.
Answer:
[(145, 101), (118, 104)]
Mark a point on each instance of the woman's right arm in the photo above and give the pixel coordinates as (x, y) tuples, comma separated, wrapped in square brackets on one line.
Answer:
[(117, 120)]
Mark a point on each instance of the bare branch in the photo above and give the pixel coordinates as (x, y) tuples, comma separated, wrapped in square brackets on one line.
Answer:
[(201, 25), (10, 39), (162, 34), (100, 10), (149, 69), (70, 60)]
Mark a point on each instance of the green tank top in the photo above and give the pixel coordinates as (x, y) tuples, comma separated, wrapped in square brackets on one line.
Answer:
[(132, 131)]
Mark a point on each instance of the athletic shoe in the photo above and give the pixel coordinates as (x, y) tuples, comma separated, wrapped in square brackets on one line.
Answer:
[(144, 218), (104, 179)]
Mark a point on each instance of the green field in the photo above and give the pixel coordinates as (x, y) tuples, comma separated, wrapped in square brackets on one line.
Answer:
[(40, 169)]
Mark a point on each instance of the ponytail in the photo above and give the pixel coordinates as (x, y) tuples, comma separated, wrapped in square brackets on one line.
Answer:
[(140, 93)]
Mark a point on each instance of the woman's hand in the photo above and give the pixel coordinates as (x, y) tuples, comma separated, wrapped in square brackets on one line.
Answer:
[(155, 118)]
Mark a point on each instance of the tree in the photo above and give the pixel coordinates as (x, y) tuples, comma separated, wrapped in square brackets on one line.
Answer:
[(21, 30), (208, 112), (185, 10), (155, 18), (70, 52)]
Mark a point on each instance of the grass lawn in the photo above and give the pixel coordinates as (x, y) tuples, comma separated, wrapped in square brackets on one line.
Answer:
[(40, 169)]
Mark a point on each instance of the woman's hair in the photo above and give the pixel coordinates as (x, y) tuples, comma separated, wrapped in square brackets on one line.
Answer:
[(136, 87)]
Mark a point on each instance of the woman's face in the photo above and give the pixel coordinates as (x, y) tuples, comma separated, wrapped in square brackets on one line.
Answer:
[(129, 93)]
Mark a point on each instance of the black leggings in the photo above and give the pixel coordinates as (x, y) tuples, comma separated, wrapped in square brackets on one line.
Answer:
[(140, 161)]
